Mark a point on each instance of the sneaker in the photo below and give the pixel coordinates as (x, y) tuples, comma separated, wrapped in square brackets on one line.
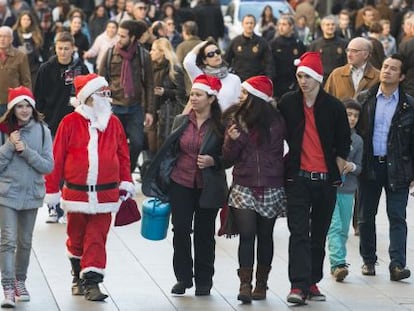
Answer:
[(296, 295), (340, 272), (21, 292), (398, 273), (368, 269), (9, 298), (315, 294), (63, 219), (53, 216)]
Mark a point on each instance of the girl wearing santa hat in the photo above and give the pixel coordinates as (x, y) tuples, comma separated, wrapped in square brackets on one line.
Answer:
[(25, 155), (254, 143), (188, 171)]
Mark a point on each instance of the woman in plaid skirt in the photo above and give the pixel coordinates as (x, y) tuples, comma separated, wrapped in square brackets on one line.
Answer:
[(254, 143)]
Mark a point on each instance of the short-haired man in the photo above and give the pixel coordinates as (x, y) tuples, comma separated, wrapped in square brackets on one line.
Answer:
[(406, 49), (357, 75), (386, 126), (14, 69), (319, 142), (127, 66), (331, 47), (249, 54)]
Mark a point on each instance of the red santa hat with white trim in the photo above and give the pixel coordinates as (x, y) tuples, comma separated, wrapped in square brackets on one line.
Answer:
[(19, 94), (260, 86), (86, 85), (310, 63), (209, 84)]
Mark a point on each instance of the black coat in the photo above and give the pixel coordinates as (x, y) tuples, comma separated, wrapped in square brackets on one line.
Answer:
[(156, 181)]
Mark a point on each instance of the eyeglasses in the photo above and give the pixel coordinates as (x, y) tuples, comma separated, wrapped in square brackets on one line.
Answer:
[(104, 93), (213, 53), (353, 51)]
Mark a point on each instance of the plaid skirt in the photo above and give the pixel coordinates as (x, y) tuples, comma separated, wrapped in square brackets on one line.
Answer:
[(270, 203)]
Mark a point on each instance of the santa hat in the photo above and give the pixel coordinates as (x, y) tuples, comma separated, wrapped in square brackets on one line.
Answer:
[(209, 84), (86, 85), (260, 86), (18, 94), (311, 64)]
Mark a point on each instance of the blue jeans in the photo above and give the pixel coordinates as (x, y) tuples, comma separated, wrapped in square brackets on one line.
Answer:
[(132, 119), (396, 204), (339, 228), (16, 242)]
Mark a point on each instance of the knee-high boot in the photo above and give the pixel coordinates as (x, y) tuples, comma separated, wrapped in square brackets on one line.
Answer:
[(91, 282), (245, 292), (262, 274), (77, 286)]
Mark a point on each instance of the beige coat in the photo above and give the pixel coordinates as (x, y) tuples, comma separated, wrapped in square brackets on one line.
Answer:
[(339, 82), (14, 72)]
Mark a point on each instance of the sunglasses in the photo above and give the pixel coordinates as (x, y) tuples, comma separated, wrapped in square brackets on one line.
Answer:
[(104, 93), (213, 53)]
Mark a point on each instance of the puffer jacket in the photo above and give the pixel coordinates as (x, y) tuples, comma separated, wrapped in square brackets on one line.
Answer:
[(400, 145), (22, 184)]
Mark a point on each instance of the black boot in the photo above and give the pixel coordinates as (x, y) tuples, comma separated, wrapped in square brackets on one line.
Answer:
[(91, 282), (77, 286)]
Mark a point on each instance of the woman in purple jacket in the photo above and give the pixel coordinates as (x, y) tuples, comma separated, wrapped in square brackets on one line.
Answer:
[(254, 143)]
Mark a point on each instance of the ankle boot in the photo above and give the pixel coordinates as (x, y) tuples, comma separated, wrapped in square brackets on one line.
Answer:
[(90, 283), (9, 294), (77, 286), (245, 292), (262, 274)]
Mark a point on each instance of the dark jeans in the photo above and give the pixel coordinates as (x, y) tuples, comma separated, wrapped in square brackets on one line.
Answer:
[(3, 109), (310, 208), (250, 225), (396, 204), (184, 207), (132, 119)]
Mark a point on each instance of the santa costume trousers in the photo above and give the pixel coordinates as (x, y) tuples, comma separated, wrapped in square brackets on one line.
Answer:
[(87, 234)]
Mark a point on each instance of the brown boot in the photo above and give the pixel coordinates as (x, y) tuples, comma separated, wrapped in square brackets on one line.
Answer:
[(262, 274), (245, 292), (91, 282)]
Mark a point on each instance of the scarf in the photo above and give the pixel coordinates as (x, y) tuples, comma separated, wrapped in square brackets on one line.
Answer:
[(127, 80), (218, 72)]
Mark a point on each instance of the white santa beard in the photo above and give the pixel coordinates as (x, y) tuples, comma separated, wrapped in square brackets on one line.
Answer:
[(102, 111)]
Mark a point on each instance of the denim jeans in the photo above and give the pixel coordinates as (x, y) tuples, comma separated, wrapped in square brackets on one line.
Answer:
[(16, 242), (396, 204), (132, 119), (339, 228), (3, 109)]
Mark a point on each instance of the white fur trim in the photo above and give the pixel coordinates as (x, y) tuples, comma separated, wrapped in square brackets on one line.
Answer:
[(205, 88), (93, 160), (52, 198), (256, 92), (89, 207), (127, 186), (92, 269), (70, 255), (310, 72), (74, 102), (90, 87), (19, 99), (296, 62)]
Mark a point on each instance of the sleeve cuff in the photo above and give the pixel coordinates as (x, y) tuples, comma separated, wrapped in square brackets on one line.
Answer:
[(52, 198), (127, 186)]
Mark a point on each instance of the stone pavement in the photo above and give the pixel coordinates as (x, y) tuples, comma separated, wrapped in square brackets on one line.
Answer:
[(139, 275)]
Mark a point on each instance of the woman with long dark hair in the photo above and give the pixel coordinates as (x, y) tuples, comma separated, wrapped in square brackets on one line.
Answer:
[(254, 143)]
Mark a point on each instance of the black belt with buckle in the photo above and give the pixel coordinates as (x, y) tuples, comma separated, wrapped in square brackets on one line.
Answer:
[(381, 159), (92, 188), (313, 175)]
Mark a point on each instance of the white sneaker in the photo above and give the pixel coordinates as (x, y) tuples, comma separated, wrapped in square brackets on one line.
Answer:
[(63, 219), (9, 298), (53, 216)]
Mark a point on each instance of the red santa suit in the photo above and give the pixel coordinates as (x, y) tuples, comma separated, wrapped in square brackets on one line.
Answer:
[(94, 164)]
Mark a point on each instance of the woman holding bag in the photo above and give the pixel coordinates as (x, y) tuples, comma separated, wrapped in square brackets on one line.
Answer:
[(188, 171)]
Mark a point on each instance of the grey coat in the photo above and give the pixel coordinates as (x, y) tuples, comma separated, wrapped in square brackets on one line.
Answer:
[(355, 156), (21, 174)]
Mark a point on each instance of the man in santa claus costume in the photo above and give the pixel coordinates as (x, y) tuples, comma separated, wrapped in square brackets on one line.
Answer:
[(92, 158)]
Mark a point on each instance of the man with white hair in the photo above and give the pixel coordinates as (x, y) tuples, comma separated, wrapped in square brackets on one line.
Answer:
[(14, 69), (92, 158)]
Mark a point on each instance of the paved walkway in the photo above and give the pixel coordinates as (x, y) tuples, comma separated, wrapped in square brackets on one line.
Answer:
[(140, 276)]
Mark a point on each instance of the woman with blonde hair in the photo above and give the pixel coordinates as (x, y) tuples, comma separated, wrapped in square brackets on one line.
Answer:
[(28, 37), (169, 90)]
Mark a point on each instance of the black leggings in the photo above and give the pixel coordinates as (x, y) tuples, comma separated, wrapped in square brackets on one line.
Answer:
[(251, 224)]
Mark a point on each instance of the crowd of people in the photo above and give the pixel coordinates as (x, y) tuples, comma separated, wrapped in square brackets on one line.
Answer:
[(314, 113)]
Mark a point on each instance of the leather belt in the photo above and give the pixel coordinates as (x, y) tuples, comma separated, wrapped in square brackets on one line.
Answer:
[(91, 188), (313, 175), (381, 159)]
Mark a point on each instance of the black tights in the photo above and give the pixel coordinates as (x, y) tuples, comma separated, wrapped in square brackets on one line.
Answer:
[(251, 224)]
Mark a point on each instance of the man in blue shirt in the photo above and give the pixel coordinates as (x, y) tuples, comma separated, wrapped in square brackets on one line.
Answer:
[(387, 129)]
